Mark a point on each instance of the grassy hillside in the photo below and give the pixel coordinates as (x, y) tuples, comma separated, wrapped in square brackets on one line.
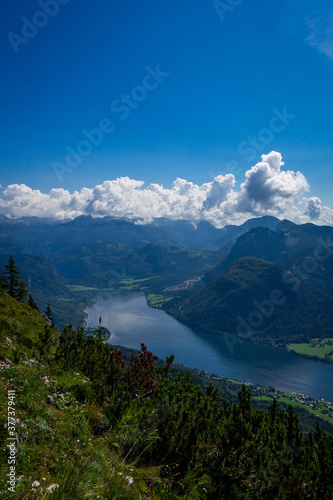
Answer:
[(21, 324), (47, 286), (62, 431)]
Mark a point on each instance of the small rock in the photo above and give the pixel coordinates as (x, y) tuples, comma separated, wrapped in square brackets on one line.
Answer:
[(8, 361), (50, 400), (35, 484), (24, 356), (48, 321)]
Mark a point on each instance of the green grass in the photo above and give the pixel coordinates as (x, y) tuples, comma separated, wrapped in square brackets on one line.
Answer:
[(264, 398), (80, 288), (233, 381), (310, 349), (22, 325), (157, 301), (134, 282)]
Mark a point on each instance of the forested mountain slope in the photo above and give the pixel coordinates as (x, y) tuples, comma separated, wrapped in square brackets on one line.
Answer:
[(237, 295)]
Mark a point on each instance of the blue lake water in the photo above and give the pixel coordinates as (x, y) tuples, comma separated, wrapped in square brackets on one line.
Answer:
[(131, 321)]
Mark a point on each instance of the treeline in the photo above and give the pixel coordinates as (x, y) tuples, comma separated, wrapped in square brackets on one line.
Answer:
[(202, 444)]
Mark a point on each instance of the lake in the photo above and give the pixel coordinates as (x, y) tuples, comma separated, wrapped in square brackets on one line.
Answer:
[(131, 321)]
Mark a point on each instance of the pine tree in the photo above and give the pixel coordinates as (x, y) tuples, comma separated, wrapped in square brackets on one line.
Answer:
[(32, 303), (3, 282), (22, 292), (49, 315), (13, 281), (45, 341)]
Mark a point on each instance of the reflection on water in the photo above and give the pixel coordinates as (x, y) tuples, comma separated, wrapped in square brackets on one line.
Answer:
[(131, 322)]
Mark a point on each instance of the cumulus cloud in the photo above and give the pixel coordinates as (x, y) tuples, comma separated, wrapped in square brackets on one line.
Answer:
[(314, 208), (268, 189), (318, 213), (320, 36)]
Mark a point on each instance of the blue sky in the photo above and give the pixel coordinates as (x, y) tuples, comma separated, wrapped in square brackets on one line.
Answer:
[(227, 79)]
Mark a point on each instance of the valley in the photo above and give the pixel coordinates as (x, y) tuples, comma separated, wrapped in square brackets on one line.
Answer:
[(266, 281)]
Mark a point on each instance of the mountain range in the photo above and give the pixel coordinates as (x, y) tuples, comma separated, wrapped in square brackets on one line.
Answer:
[(273, 286), (237, 270), (24, 235)]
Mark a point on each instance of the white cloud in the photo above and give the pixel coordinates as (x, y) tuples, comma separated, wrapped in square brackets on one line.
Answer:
[(268, 189), (317, 213), (320, 36), (314, 208)]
